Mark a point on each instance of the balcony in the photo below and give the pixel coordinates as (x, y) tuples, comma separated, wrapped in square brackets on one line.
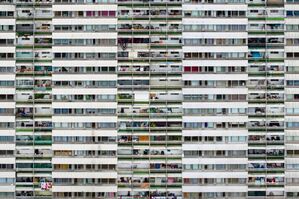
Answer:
[(42, 97), (154, 42), (38, 153), (260, 167), (135, 182), (261, 111), (153, 14), (145, 28), (263, 140), (161, 68), (125, 97), (24, 55), (158, 182), (269, 28), (150, 55), (263, 154), (269, 124), (6, 1), (256, 42), (155, 83), (256, 83), (133, 83), (169, 97), (129, 2), (169, 168), (43, 13), (275, 2), (24, 140), (166, 83), (43, 70), (43, 111), (43, 140), (147, 194), (263, 83), (275, 83), (25, 13), (42, 42), (271, 194), (43, 85), (25, 28), (24, 126), (153, 111), (153, 69), (43, 55), (261, 97), (34, 1), (272, 43), (24, 70), (24, 194), (25, 112), (262, 55), (44, 27), (25, 40), (133, 69), (257, 2), (34, 166), (24, 180), (145, 140), (273, 70), (144, 168), (125, 126), (261, 13), (43, 126), (27, 70), (159, 97), (149, 153), (263, 181)]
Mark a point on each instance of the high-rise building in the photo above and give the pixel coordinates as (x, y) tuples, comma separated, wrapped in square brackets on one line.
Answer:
[(149, 99)]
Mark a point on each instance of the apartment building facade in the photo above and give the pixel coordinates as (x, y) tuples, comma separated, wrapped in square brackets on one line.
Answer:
[(149, 99)]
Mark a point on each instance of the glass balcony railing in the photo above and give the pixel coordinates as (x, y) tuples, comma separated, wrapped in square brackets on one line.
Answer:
[(153, 13), (43, 55), (153, 28), (154, 97), (272, 83), (24, 55), (257, 13), (267, 27), (147, 125), (149, 1), (43, 27), (265, 181), (25, 13), (25, 40), (269, 111), (42, 97), (146, 111), (151, 55), (6, 1), (153, 69), (33, 1), (43, 70), (146, 195), (269, 97), (268, 124), (275, 2), (43, 42), (125, 139), (272, 69)]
